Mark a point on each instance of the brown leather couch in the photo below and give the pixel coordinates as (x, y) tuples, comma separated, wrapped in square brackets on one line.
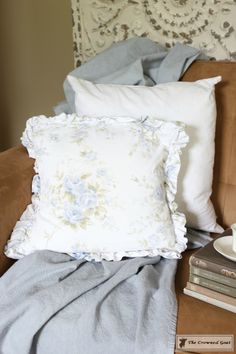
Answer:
[(194, 316)]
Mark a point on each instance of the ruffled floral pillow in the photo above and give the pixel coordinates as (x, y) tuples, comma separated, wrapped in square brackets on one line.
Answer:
[(104, 188)]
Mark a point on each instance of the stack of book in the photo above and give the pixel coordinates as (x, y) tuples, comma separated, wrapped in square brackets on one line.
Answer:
[(212, 278)]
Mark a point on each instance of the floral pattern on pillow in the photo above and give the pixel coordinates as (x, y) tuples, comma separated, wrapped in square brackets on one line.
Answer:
[(82, 201), (104, 189)]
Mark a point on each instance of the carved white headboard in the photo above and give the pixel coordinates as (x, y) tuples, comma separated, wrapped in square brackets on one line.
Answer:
[(206, 24)]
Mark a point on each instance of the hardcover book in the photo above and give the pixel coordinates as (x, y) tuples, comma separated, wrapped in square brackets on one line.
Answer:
[(221, 288), (219, 278), (212, 277), (211, 293), (209, 259), (210, 300)]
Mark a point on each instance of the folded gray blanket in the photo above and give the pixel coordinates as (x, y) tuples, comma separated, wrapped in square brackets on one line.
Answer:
[(137, 61), (51, 303)]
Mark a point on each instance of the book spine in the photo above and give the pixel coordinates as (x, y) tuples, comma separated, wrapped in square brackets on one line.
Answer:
[(211, 293), (213, 276), (212, 267), (209, 300), (210, 284)]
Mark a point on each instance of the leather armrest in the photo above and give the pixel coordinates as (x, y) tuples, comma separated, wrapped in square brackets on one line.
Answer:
[(16, 173)]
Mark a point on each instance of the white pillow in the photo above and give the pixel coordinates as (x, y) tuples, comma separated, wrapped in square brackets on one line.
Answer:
[(106, 189), (190, 102)]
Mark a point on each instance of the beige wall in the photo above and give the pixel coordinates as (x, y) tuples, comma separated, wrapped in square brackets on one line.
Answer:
[(36, 54)]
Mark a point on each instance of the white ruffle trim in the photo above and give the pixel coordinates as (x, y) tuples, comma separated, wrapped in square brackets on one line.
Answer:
[(117, 256), (172, 135), (19, 244)]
